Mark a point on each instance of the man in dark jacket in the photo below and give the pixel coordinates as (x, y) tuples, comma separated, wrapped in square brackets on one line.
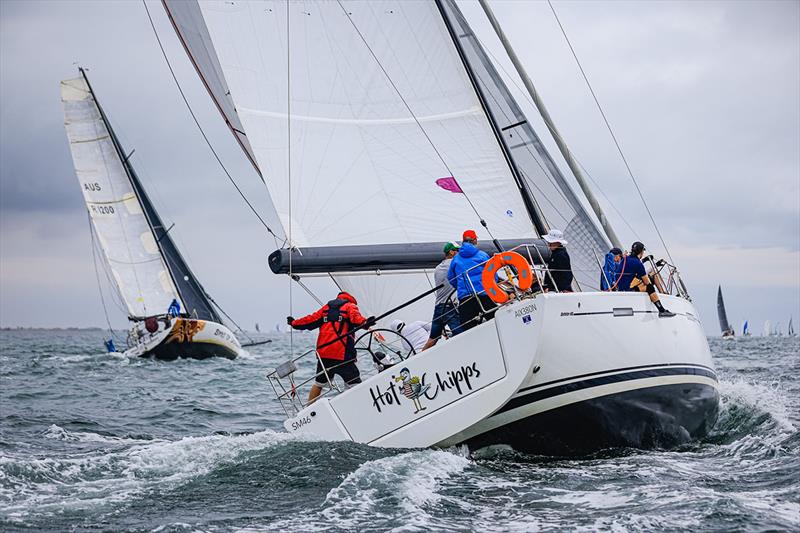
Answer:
[(337, 321), (634, 277), (560, 276), (464, 274)]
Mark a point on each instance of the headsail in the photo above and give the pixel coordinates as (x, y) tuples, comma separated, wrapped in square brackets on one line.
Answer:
[(146, 265), (394, 123), (724, 325)]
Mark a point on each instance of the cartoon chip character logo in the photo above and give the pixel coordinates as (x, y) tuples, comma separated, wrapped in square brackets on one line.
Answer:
[(412, 388)]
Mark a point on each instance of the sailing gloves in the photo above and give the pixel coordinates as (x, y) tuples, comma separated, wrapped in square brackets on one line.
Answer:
[(289, 320)]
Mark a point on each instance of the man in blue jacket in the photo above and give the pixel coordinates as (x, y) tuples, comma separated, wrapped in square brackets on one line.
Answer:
[(472, 298)]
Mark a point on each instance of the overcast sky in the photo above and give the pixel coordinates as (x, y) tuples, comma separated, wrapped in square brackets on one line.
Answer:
[(704, 98)]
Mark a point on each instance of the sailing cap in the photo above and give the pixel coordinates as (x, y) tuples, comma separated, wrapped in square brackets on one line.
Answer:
[(470, 234), (615, 251), (397, 325), (637, 248), (555, 235), (451, 246)]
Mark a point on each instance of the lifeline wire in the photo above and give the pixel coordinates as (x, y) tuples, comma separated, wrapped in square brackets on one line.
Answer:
[(408, 107), (611, 131), (202, 132)]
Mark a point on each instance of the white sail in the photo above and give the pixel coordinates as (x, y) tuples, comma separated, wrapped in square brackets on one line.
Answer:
[(120, 224), (381, 108)]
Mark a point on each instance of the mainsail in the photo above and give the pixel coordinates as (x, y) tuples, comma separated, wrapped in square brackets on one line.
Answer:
[(380, 122), (147, 267), (724, 325)]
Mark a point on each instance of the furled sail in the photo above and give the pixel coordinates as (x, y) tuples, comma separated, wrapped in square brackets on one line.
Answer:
[(724, 325), (147, 267)]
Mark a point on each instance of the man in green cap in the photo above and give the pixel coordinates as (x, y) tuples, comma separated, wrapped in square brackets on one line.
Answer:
[(445, 312)]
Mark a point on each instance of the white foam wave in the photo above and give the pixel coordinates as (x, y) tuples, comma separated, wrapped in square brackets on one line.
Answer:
[(769, 398), (51, 484), (410, 479)]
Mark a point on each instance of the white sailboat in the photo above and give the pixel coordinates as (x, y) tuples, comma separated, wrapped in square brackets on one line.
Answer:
[(171, 313), (382, 130)]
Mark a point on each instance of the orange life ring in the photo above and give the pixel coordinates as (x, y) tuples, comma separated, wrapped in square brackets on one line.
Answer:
[(498, 261)]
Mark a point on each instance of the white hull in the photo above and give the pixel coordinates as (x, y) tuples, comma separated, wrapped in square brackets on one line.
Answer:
[(188, 338), (607, 353)]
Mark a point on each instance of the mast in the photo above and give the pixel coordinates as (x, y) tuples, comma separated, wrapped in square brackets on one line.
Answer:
[(530, 203), (182, 278), (562, 145)]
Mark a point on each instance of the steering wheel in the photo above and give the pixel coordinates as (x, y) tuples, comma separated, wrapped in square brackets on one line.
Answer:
[(376, 342)]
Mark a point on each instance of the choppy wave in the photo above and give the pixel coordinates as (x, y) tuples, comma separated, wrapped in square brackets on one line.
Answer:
[(35, 485), (91, 441)]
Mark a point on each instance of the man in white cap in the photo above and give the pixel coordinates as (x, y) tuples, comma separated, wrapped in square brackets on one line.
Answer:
[(560, 276), (415, 334)]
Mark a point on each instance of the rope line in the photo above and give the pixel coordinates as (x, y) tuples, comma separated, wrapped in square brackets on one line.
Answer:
[(611, 131), (203, 133)]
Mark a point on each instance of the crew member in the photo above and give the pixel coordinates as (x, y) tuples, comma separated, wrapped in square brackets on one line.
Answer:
[(464, 274), (560, 276), (634, 278), (337, 321), (174, 308), (444, 312), (612, 269), (414, 334)]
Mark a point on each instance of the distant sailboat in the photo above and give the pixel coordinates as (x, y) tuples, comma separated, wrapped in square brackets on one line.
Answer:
[(745, 330), (258, 329), (790, 329), (171, 313), (767, 329), (724, 325)]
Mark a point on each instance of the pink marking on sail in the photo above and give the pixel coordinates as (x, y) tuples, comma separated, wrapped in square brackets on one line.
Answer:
[(449, 184)]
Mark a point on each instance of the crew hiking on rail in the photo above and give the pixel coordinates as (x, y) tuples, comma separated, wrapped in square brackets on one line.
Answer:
[(336, 321)]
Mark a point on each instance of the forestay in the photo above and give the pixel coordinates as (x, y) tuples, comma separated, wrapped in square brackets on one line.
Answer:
[(122, 229)]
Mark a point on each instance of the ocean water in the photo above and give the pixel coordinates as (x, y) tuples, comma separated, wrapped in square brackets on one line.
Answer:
[(90, 441)]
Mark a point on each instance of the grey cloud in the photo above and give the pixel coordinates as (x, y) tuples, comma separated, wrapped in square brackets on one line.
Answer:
[(703, 96)]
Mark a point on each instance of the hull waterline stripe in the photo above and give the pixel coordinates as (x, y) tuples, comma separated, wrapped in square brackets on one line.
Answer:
[(525, 399), (624, 369)]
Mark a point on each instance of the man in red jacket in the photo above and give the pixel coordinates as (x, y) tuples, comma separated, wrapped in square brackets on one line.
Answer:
[(336, 321)]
